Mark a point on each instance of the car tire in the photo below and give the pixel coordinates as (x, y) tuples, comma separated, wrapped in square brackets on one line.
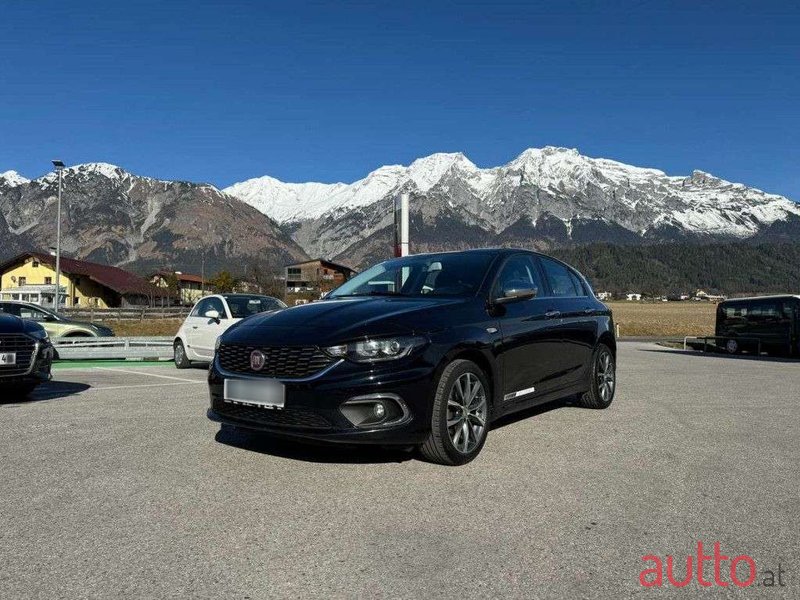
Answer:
[(179, 356), (460, 416), (732, 347), (602, 379)]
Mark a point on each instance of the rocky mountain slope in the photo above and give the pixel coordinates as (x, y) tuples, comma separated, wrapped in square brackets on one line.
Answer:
[(114, 217), (544, 198)]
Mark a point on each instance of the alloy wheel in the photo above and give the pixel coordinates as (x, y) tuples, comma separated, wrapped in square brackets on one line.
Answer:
[(466, 413), (606, 376)]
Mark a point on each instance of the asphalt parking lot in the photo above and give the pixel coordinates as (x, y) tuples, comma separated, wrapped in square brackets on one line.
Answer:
[(114, 484)]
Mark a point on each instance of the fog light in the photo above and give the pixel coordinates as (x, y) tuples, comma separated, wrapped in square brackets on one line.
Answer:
[(375, 410)]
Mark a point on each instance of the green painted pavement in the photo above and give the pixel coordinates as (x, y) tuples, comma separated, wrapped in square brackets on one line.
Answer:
[(83, 364)]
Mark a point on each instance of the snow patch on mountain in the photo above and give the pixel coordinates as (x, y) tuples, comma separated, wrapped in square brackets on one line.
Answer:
[(13, 178)]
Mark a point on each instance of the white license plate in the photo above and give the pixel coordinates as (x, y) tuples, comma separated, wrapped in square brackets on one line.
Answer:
[(268, 393), (8, 358)]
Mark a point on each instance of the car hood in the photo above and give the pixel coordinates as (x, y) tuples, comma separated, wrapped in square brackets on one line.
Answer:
[(13, 324), (338, 320)]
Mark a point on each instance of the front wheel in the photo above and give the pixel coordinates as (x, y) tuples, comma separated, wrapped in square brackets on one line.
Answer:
[(602, 379), (460, 418), (179, 355)]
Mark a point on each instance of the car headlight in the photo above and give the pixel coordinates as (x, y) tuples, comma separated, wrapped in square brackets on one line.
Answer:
[(217, 343), (377, 349)]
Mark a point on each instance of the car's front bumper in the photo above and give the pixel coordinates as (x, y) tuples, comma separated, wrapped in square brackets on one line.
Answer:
[(38, 371), (312, 406)]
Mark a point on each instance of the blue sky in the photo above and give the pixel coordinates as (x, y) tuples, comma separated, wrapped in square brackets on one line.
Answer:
[(224, 91)]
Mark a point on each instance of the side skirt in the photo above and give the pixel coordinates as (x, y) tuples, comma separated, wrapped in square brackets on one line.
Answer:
[(535, 399)]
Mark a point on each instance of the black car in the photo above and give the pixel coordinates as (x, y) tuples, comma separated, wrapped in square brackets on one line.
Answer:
[(425, 350), (25, 357), (762, 324)]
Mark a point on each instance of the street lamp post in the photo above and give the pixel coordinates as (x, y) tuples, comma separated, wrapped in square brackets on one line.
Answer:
[(59, 165)]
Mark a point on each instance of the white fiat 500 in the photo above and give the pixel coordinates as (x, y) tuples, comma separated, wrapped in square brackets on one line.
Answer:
[(209, 318)]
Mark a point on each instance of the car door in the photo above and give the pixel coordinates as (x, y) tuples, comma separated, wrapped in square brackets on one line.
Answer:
[(192, 326), (577, 323), (529, 340), (208, 328)]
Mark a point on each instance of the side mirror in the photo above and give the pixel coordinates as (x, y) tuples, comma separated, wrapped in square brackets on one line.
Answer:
[(212, 314), (513, 293)]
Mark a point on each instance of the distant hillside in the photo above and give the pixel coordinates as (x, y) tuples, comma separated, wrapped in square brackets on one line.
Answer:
[(731, 268), (111, 216)]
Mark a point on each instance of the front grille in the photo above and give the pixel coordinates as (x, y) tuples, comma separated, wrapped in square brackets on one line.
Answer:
[(290, 362), (23, 346), (287, 417)]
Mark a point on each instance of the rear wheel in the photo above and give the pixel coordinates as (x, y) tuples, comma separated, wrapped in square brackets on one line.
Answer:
[(732, 347), (460, 418), (179, 355), (602, 379)]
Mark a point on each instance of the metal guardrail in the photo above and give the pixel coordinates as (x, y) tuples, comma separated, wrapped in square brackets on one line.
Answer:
[(720, 337), (114, 348), (135, 313)]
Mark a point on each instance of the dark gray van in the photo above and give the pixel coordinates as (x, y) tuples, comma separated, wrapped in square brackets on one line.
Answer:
[(774, 321)]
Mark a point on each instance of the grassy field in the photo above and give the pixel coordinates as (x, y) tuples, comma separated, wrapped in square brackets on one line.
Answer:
[(148, 327), (670, 319)]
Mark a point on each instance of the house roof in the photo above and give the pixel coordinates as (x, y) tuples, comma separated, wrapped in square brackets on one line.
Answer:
[(114, 278), (181, 276), (324, 262)]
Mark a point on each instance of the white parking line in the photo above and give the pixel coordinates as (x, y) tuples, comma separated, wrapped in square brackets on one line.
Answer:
[(149, 374)]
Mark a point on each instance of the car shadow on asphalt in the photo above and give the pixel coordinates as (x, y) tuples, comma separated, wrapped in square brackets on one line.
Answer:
[(310, 452), (773, 359), (354, 454), (52, 390)]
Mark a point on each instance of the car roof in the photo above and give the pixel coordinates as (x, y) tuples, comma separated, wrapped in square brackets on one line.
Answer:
[(241, 295), (20, 302), (755, 298)]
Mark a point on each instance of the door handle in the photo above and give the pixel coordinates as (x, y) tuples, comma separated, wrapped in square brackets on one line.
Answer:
[(194, 326), (552, 314)]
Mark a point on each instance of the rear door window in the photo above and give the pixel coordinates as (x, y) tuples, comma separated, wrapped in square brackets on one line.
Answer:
[(27, 312), (562, 281)]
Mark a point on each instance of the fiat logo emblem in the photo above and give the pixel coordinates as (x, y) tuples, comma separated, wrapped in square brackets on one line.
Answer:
[(257, 360)]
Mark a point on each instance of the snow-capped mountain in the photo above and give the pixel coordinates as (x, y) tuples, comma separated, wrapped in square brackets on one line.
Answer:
[(544, 198), (114, 217), (12, 178), (547, 196)]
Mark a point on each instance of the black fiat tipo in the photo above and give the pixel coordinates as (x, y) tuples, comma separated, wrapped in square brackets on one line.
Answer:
[(425, 350)]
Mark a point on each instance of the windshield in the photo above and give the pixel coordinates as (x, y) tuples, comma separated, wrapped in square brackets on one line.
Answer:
[(458, 274), (244, 306)]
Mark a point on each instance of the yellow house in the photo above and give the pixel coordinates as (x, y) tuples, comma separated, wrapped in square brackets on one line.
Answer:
[(31, 277), (190, 288)]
